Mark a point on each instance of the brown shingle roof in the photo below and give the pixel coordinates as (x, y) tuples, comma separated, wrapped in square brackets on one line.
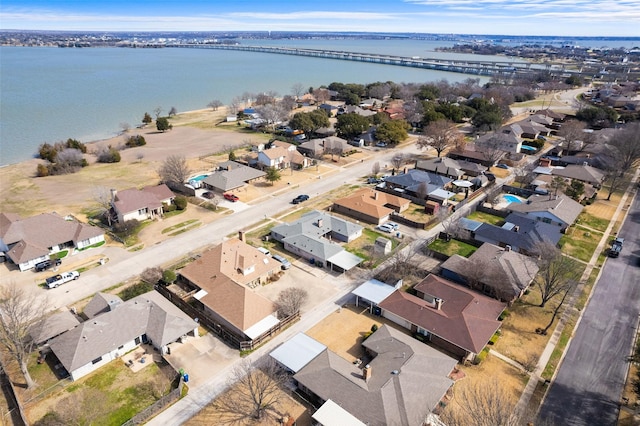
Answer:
[(372, 203), (224, 272), (466, 319), (133, 199)]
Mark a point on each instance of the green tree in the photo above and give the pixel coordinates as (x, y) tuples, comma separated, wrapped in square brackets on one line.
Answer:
[(393, 132), (575, 189), (598, 116), (147, 118), (168, 276), (47, 152), (273, 175), (319, 118), (429, 113), (76, 144), (487, 120), (42, 170), (232, 155), (302, 121), (352, 125), (135, 140), (180, 201), (162, 124)]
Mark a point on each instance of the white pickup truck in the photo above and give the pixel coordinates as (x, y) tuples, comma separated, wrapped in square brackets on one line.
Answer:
[(56, 280)]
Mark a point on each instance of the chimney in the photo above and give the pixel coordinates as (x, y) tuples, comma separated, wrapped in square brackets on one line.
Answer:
[(375, 195), (405, 170), (241, 236), (507, 248), (438, 303), (366, 372), (114, 192), (319, 223)]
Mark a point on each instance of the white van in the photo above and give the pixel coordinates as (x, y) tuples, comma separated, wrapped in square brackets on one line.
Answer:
[(264, 251)]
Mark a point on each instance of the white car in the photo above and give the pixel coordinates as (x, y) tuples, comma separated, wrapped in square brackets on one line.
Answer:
[(56, 280), (385, 227), (394, 225)]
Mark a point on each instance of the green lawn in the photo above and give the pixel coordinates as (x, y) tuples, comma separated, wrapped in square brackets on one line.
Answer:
[(363, 246), (452, 247), (486, 218), (592, 222), (580, 242)]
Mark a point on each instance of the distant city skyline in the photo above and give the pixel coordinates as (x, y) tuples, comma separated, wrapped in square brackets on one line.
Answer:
[(587, 18)]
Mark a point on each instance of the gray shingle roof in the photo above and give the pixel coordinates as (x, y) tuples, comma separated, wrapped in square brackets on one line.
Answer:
[(562, 207), (231, 175), (408, 379), (523, 232), (149, 314)]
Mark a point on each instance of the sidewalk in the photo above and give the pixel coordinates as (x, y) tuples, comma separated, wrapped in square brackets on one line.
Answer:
[(523, 403)]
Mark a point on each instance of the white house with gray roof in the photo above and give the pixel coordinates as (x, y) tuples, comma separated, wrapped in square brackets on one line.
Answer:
[(231, 175), (148, 318), (312, 237), (558, 210)]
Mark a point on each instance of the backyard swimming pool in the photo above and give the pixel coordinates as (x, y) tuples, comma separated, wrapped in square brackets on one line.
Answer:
[(512, 198), (199, 178)]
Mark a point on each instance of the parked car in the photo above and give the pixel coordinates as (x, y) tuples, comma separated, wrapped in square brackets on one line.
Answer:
[(46, 264), (502, 166), (373, 180), (385, 227), (394, 225), (616, 247), (56, 280), (208, 195), (542, 138), (264, 251), (381, 144), (300, 198), (285, 263), (230, 197)]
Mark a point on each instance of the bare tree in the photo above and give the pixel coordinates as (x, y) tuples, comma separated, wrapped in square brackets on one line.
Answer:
[(615, 179), (321, 95), (22, 315), (484, 403), (173, 111), (450, 224), (157, 111), (572, 131), (82, 408), (557, 272), (375, 168), (69, 160), (215, 104), (235, 104), (398, 160), (290, 300), (287, 103), (524, 175), (439, 135), (491, 149), (151, 275), (566, 290), (557, 184), (253, 395), (297, 90), (174, 169), (627, 144), (102, 196), (272, 113)]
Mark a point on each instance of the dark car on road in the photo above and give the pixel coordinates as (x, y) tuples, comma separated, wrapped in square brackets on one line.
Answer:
[(46, 264), (616, 247), (300, 198)]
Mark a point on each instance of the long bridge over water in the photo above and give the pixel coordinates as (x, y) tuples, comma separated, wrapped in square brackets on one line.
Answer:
[(480, 67)]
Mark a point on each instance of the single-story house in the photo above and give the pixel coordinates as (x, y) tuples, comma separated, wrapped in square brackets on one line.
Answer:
[(505, 140), (519, 232), (312, 237), (295, 158), (231, 175), (581, 172), (331, 110), (316, 148), (498, 272), (371, 206), (26, 242), (53, 326), (403, 381), (148, 318), (141, 204), (451, 168), (222, 282), (474, 155), (558, 210), (452, 317), (418, 183)]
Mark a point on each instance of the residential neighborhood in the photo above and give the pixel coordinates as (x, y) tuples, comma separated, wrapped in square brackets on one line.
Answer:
[(413, 273)]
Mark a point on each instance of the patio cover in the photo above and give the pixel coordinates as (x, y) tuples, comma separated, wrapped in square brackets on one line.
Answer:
[(470, 224), (374, 291), (331, 414), (345, 260), (441, 194), (261, 326), (462, 183), (297, 352)]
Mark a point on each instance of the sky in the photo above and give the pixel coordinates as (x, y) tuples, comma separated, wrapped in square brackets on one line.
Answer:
[(510, 17)]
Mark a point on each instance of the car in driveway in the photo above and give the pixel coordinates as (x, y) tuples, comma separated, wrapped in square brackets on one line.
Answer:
[(394, 225), (46, 264), (208, 195), (385, 227), (230, 197), (374, 180), (502, 166), (300, 198), (285, 263)]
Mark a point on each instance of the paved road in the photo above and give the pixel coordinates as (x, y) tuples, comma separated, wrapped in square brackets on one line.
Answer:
[(589, 383)]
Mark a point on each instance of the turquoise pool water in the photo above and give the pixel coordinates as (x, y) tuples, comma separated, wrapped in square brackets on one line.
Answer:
[(199, 178), (512, 198)]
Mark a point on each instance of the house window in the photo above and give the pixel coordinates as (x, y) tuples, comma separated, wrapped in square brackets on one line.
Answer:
[(120, 347), (142, 211), (423, 332), (546, 220), (97, 360)]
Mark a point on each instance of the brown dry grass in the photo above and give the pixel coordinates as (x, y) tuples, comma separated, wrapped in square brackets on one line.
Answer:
[(519, 340), (288, 404), (352, 322)]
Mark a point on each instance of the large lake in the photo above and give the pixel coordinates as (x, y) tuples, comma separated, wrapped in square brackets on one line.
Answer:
[(51, 94)]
